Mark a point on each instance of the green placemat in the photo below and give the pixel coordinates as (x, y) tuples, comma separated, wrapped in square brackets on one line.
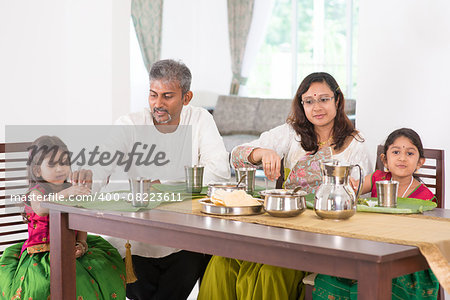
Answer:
[(404, 206), (161, 194), (177, 191), (175, 188), (121, 200), (114, 201), (181, 188)]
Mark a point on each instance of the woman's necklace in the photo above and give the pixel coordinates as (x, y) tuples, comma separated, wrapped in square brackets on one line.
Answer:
[(320, 144), (412, 179)]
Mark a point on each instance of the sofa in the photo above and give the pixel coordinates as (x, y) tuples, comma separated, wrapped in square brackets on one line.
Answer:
[(243, 119)]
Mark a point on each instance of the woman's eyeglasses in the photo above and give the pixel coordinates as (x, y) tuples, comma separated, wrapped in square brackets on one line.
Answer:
[(310, 101)]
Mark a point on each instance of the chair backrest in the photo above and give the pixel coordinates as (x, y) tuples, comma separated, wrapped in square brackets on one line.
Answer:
[(13, 181), (280, 180), (432, 172)]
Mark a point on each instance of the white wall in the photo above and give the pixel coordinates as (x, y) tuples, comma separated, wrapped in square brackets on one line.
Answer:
[(404, 58), (63, 61), (196, 31)]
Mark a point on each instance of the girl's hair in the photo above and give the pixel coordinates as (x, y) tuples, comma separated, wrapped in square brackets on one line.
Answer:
[(41, 148), (342, 127), (407, 133)]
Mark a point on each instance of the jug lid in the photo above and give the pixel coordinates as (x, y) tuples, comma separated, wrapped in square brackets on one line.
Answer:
[(282, 192), (336, 163)]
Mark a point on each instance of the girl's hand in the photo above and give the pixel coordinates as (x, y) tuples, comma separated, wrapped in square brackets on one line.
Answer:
[(366, 185), (270, 160), (81, 177), (75, 190), (354, 184), (80, 249)]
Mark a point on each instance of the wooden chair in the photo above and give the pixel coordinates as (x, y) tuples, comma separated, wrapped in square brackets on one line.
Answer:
[(432, 172), (13, 181)]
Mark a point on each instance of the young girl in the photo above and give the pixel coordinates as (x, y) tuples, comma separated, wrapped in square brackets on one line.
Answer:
[(402, 157), (25, 267)]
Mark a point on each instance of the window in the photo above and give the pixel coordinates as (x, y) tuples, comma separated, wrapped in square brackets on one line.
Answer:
[(323, 40)]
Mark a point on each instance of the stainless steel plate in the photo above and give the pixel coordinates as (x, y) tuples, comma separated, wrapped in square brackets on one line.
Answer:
[(210, 208)]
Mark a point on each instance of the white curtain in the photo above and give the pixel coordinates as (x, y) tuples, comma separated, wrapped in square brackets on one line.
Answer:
[(239, 19), (262, 11)]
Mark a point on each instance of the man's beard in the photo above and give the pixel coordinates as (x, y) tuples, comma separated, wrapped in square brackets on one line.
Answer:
[(169, 117)]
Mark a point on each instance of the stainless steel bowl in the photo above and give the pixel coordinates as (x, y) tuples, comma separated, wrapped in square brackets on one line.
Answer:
[(284, 203), (226, 186)]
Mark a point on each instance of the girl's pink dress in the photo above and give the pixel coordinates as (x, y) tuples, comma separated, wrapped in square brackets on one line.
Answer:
[(25, 267), (417, 285), (421, 192), (38, 229)]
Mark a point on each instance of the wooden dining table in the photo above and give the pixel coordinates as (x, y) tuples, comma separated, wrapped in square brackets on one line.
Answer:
[(373, 264)]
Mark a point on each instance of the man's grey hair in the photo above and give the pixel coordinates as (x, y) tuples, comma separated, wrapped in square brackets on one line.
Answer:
[(170, 70)]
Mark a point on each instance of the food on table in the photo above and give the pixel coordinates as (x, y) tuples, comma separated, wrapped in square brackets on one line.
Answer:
[(362, 201), (234, 198)]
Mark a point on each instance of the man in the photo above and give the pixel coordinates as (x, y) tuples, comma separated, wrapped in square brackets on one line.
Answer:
[(162, 272)]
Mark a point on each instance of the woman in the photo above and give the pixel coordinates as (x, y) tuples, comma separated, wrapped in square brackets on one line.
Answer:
[(316, 129)]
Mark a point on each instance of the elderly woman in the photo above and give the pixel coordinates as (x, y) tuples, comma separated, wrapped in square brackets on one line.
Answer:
[(316, 129)]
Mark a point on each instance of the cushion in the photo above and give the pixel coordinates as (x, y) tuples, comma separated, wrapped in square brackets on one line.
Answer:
[(234, 140), (272, 113), (234, 114), (350, 106), (253, 116)]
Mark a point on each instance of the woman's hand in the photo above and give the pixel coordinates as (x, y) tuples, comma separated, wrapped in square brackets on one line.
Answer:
[(75, 190), (270, 160)]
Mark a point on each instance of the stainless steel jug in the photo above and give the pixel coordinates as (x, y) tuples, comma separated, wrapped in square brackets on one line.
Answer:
[(335, 198)]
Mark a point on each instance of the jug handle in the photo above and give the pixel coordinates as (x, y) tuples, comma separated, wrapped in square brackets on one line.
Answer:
[(360, 181)]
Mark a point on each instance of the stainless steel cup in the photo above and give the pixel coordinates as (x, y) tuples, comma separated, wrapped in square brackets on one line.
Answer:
[(140, 188), (387, 193), (194, 178), (249, 180)]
